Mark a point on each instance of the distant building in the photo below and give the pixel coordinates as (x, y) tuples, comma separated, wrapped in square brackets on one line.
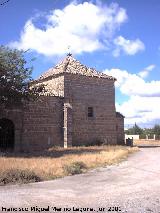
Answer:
[(77, 108)]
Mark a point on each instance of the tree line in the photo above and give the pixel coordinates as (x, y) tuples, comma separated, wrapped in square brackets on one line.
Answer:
[(142, 132)]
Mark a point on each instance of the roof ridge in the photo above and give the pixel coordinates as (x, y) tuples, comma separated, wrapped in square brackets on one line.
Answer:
[(71, 65)]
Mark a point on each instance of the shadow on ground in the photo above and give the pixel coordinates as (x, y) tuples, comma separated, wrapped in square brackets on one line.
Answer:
[(55, 152), (148, 146)]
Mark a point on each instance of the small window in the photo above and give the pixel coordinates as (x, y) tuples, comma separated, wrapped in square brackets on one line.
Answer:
[(90, 112)]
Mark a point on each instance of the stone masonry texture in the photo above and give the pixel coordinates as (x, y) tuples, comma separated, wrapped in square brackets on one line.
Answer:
[(60, 115)]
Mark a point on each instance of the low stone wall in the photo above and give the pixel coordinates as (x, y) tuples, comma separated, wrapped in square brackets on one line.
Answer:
[(136, 137)]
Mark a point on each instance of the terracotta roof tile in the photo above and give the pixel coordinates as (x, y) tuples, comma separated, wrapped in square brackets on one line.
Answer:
[(71, 65)]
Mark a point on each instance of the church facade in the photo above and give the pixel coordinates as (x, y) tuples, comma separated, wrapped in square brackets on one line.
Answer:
[(77, 108)]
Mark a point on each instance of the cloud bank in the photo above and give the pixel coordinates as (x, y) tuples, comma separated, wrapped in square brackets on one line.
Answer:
[(82, 28), (144, 96)]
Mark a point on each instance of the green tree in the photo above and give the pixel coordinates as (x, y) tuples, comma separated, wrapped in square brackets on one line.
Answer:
[(135, 130), (156, 129), (15, 78)]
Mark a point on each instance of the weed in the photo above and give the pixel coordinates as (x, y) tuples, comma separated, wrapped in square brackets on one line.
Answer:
[(76, 167), (58, 162), (18, 176)]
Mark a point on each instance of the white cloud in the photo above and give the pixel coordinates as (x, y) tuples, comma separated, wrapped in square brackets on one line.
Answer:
[(144, 73), (150, 67), (144, 96), (132, 84), (129, 47), (120, 75), (84, 27), (141, 110)]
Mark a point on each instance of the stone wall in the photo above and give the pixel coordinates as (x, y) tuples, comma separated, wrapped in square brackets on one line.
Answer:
[(64, 121), (15, 115), (43, 124), (83, 92), (120, 129), (54, 85)]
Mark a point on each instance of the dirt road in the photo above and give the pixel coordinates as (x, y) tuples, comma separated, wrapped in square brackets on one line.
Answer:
[(133, 186)]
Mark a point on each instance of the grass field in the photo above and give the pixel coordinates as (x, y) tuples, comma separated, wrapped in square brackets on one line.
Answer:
[(146, 142), (58, 162)]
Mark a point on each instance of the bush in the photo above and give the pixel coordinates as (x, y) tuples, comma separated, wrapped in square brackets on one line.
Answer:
[(74, 168), (18, 176)]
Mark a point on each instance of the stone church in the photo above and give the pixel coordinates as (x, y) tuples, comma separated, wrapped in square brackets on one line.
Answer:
[(77, 108)]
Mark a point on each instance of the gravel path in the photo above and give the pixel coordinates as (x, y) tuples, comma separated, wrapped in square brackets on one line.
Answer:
[(132, 186)]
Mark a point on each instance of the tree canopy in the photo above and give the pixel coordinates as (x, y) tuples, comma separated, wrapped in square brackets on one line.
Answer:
[(136, 130), (15, 78)]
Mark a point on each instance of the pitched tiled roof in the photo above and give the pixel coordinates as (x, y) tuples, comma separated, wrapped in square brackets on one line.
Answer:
[(71, 65)]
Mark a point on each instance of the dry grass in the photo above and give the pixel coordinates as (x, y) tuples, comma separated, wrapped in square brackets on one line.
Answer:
[(50, 164), (12, 176), (146, 142)]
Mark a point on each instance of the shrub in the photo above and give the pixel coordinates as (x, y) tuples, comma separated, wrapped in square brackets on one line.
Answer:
[(74, 168), (18, 176)]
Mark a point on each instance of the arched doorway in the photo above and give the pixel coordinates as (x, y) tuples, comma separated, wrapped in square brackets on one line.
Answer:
[(6, 135)]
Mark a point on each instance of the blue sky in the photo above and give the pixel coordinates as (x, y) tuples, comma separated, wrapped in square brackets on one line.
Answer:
[(120, 38)]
